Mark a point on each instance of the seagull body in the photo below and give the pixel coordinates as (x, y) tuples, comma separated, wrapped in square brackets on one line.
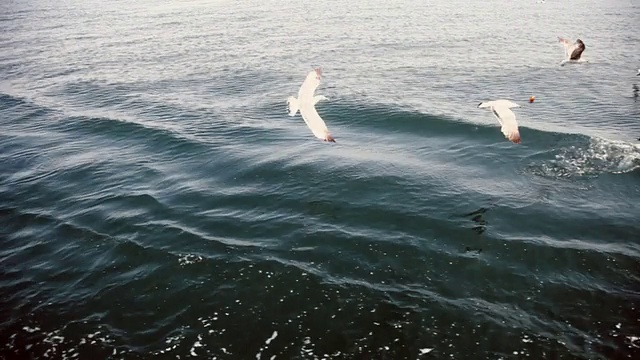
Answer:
[(501, 109), (573, 52), (306, 102)]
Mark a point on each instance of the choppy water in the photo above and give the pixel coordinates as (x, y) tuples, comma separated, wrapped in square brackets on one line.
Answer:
[(157, 201)]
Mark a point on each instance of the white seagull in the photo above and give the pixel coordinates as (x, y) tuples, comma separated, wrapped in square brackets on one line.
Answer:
[(573, 52), (306, 102), (502, 111)]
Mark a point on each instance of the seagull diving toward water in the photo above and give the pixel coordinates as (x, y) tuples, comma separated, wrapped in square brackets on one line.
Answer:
[(573, 52), (306, 102), (502, 111)]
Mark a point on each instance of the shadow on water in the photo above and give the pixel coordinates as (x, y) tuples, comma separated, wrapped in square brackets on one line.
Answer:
[(478, 226), (322, 208), (477, 217)]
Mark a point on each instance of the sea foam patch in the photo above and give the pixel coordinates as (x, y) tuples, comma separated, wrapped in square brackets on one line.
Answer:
[(596, 157)]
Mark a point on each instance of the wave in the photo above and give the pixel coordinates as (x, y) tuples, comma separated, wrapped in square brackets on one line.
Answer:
[(166, 127), (396, 120), (571, 154), (164, 138), (8, 102)]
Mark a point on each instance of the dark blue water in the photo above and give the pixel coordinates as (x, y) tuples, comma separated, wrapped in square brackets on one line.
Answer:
[(156, 200)]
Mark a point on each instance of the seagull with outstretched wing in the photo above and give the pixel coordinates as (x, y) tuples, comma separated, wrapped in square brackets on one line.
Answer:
[(306, 104), (501, 109), (573, 51)]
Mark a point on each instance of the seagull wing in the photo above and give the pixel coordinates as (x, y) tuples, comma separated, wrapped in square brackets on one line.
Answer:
[(314, 121), (569, 48), (507, 119), (577, 52)]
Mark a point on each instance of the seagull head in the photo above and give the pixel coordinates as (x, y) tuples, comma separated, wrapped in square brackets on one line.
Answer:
[(580, 42)]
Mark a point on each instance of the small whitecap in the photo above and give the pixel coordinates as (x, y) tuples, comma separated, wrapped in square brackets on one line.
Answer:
[(273, 336)]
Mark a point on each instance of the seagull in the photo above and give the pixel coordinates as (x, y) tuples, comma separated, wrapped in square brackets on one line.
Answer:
[(638, 74), (573, 52), (502, 111), (306, 102)]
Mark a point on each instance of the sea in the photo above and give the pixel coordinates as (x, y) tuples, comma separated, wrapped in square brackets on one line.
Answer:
[(157, 201)]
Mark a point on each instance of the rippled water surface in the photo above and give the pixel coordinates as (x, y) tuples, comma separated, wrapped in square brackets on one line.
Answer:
[(156, 200)]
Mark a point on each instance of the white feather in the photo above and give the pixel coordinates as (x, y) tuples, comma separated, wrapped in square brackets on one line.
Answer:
[(502, 111), (568, 47)]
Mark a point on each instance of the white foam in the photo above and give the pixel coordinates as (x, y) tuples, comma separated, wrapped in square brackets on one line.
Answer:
[(273, 336), (267, 342), (173, 342), (599, 156), (196, 344), (57, 346), (188, 259)]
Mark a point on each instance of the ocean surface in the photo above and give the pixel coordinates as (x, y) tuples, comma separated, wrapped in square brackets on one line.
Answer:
[(157, 201)]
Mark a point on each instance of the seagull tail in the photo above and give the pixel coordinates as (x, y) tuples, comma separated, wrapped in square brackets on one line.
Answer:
[(293, 104)]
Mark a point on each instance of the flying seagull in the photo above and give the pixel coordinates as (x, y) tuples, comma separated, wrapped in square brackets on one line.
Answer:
[(502, 111), (573, 52), (306, 102)]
